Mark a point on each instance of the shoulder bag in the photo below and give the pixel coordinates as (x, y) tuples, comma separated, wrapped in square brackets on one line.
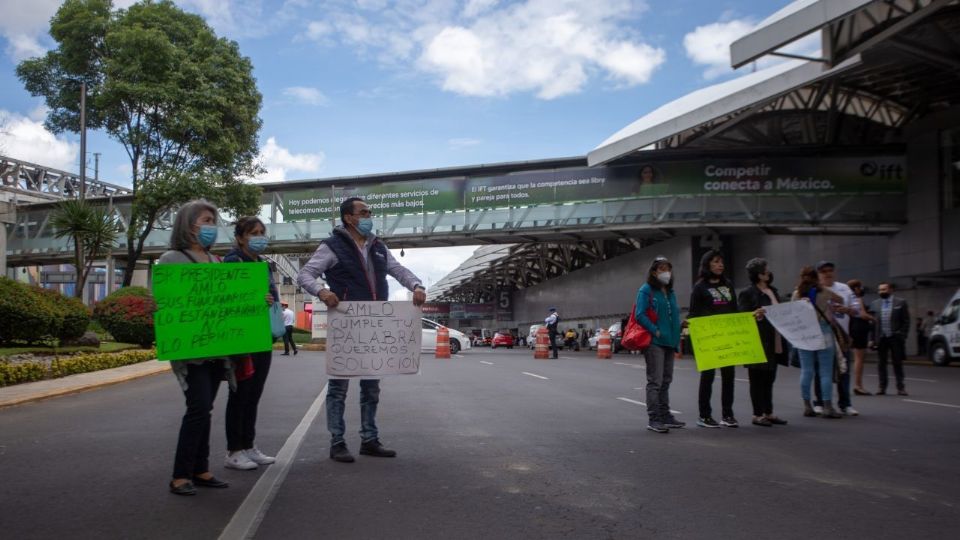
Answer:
[(636, 337)]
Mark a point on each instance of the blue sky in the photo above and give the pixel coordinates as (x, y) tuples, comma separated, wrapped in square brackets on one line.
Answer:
[(367, 86), (355, 87)]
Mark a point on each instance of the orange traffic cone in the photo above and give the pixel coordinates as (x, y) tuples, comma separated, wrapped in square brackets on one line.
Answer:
[(542, 349), (443, 342), (604, 347)]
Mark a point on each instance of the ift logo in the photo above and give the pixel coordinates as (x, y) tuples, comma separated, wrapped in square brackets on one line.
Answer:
[(883, 171)]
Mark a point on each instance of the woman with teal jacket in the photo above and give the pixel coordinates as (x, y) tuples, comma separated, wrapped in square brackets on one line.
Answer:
[(657, 294)]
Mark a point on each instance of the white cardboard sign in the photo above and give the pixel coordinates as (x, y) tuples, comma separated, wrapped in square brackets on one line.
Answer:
[(797, 323), (373, 339)]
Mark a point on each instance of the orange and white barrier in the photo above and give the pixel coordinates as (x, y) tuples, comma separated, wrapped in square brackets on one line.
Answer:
[(443, 342), (542, 349), (604, 346)]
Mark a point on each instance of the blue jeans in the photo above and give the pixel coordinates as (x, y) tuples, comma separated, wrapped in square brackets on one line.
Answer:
[(820, 361), (369, 398)]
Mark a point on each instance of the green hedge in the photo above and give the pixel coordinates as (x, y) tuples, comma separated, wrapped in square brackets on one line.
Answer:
[(33, 315), (71, 316), (128, 315), (69, 365)]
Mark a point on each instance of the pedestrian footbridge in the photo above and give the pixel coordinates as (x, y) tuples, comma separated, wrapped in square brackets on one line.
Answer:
[(551, 201)]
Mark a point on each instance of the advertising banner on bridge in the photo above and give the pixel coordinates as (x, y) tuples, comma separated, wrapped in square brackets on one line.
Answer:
[(779, 175)]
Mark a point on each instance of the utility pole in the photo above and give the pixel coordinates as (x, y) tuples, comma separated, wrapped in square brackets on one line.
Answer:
[(96, 166), (83, 140)]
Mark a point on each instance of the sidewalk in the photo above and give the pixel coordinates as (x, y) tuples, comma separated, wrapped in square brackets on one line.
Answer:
[(26, 392)]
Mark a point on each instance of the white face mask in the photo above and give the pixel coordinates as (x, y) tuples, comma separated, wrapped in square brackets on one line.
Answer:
[(664, 277)]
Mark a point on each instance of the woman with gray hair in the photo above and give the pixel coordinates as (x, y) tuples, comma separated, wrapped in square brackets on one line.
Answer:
[(194, 232), (754, 298)]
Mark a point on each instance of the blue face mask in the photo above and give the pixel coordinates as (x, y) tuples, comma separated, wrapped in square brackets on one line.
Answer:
[(207, 235), (365, 226), (257, 244)]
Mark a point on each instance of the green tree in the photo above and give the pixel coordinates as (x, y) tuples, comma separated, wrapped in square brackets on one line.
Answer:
[(183, 103), (92, 231)]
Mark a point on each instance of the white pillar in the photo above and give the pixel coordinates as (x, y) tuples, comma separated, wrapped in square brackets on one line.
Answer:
[(109, 278)]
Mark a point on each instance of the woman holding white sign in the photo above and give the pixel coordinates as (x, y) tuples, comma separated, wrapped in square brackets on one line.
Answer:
[(809, 289), (250, 236), (194, 232), (754, 298)]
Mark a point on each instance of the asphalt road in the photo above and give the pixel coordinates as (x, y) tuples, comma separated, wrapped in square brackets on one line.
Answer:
[(493, 444)]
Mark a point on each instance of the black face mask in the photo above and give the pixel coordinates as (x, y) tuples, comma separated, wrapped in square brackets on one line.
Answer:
[(884, 295)]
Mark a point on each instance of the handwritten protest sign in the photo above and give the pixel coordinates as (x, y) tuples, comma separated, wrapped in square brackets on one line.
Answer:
[(797, 323), (373, 339), (726, 340), (209, 310)]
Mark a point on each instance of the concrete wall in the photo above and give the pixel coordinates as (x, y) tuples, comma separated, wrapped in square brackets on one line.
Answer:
[(603, 293)]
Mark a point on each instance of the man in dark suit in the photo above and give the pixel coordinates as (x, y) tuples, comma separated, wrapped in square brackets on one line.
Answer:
[(890, 334)]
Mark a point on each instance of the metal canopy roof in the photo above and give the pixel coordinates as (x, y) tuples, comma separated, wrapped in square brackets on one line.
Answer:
[(788, 25), (712, 102), (897, 62)]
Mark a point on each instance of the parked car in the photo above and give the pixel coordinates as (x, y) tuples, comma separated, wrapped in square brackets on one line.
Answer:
[(944, 345), (458, 340), (532, 336), (594, 340), (615, 335), (502, 339)]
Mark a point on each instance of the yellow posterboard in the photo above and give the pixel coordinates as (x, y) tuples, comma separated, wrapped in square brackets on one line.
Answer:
[(726, 340)]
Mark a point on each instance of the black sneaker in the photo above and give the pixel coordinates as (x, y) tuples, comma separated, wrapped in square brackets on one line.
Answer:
[(657, 427), (729, 421), (375, 449), (673, 423), (708, 422), (339, 452)]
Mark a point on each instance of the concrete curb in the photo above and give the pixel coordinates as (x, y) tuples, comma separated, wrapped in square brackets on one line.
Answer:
[(71, 384)]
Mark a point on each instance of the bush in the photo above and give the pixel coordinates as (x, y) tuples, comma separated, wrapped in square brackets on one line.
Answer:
[(69, 365), (72, 317), (128, 315), (24, 315)]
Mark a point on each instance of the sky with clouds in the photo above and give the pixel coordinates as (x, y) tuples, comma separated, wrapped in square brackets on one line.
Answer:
[(357, 87)]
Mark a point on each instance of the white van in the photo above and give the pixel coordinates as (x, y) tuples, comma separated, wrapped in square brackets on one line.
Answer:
[(944, 344)]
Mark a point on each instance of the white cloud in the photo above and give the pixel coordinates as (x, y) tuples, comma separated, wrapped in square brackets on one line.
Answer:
[(551, 48), (709, 45), (278, 162), (39, 113), (306, 95), (462, 142), (25, 139)]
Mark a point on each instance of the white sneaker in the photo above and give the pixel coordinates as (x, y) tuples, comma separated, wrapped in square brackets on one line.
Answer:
[(818, 409), (258, 457), (239, 460), (850, 411)]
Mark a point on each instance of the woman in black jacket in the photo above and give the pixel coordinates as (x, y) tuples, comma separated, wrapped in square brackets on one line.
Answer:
[(713, 294), (754, 298), (250, 235)]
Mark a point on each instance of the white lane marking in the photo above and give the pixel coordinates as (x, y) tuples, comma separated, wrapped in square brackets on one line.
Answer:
[(487, 363), (905, 378), (251, 512), (535, 375), (742, 380), (635, 402), (622, 364), (932, 403), (459, 355)]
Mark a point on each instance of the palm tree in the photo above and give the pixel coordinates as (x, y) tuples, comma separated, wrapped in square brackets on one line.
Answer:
[(91, 229)]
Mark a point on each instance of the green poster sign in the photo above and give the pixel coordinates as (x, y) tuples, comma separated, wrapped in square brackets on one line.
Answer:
[(726, 340), (776, 176), (210, 310), (388, 198)]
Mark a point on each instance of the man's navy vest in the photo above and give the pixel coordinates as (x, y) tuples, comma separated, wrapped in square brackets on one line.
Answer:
[(348, 278)]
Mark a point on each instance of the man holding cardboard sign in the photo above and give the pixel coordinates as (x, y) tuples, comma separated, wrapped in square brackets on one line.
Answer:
[(355, 265)]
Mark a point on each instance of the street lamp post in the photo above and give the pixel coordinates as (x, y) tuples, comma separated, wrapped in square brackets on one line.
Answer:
[(83, 138)]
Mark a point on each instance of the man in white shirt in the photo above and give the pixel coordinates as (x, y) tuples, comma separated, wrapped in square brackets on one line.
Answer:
[(826, 270), (288, 318)]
